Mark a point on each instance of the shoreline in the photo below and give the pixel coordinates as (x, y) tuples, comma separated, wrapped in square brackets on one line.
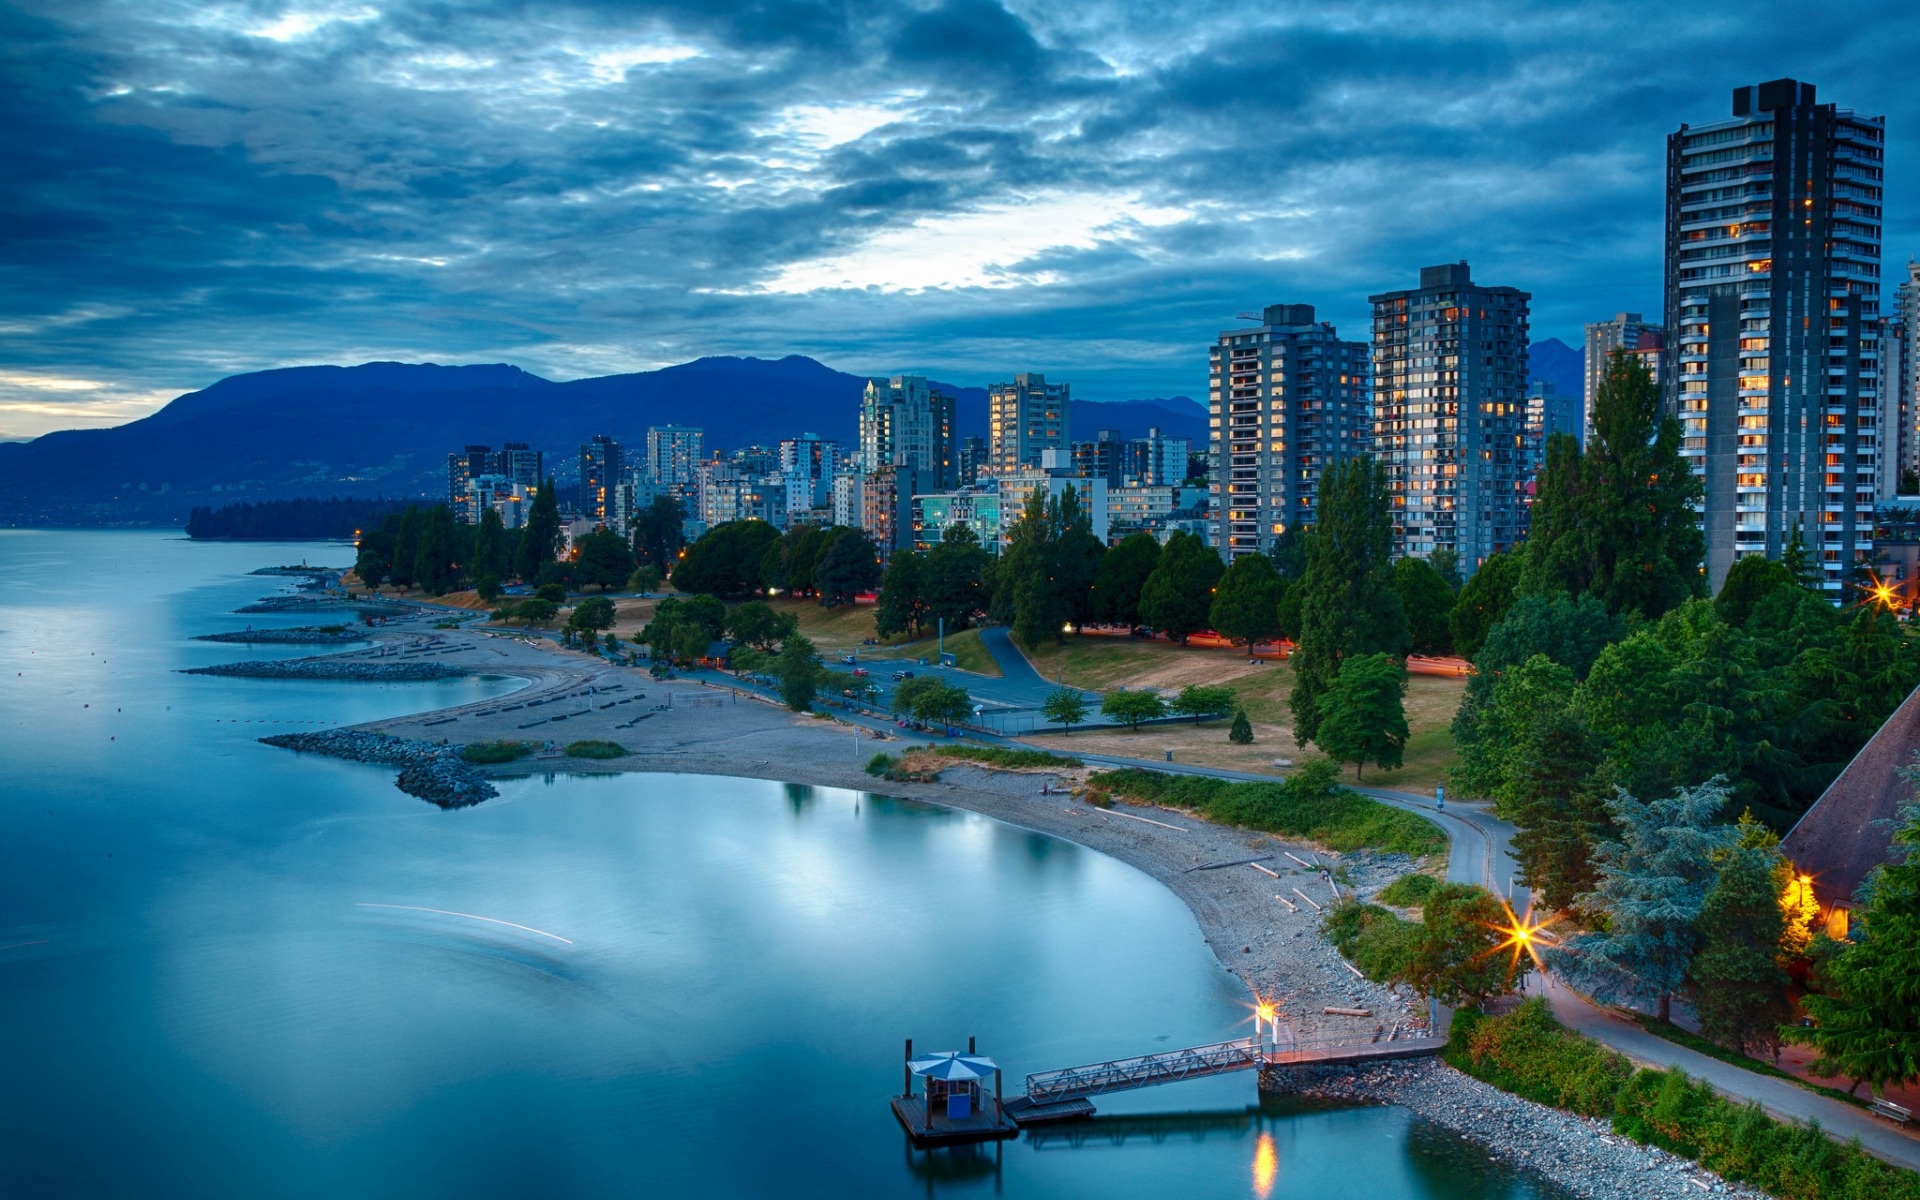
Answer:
[(691, 727)]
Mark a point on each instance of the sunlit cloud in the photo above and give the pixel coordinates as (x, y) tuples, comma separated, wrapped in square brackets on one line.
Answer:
[(294, 24)]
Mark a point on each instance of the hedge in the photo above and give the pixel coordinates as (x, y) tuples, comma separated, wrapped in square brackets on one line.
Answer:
[(1530, 1054), (1308, 805)]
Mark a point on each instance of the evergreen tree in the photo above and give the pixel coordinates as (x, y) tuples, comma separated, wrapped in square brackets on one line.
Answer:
[(1289, 553), (373, 553), (490, 550), (1178, 597), (1286, 613), (1751, 580), (434, 568), (1742, 990), (1427, 601), (848, 567), (1560, 551), (1023, 594), (1798, 560), (1075, 563), (903, 604), (1363, 717), (1483, 600), (1446, 562), (1241, 734), (955, 578), (1639, 497), (540, 537), (659, 532), (1653, 884), (1348, 604), (1246, 601), (406, 548), (1867, 1027), (1122, 576)]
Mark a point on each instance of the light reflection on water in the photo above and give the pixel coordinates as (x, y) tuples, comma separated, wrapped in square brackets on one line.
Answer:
[(236, 970)]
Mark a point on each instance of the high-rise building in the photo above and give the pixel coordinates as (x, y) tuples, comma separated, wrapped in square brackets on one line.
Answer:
[(849, 499), (1625, 331), (1105, 457), (1773, 307), (905, 423), (971, 461), (1159, 460), (520, 463), (674, 453), (1449, 398), (601, 470), (1024, 419), (1900, 381), (1548, 412), (1287, 398), (1018, 488), (463, 468)]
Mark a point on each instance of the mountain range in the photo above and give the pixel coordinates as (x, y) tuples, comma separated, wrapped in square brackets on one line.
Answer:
[(385, 428)]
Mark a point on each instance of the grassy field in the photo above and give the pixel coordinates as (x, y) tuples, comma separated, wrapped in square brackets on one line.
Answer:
[(1100, 663), (845, 630)]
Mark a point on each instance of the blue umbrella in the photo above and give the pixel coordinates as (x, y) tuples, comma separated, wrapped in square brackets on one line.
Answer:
[(953, 1066)]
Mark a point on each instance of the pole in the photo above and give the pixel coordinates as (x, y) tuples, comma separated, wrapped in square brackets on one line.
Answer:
[(943, 641), (906, 1070)]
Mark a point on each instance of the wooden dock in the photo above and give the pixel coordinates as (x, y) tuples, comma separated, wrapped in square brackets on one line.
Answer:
[(985, 1124)]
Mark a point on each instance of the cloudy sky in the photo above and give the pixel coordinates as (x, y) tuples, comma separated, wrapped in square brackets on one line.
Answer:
[(964, 187)]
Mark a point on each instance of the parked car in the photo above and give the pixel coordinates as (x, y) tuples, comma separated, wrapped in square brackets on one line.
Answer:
[(901, 675), (859, 672)]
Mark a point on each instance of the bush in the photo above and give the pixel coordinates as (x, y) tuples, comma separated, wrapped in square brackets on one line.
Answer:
[(896, 769), (552, 593), (1373, 939), (1000, 756), (1308, 804), (495, 752), (1530, 1054), (1408, 891), (595, 748), (880, 764)]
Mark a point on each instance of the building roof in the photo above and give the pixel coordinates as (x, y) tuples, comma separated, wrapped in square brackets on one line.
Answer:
[(1840, 840)]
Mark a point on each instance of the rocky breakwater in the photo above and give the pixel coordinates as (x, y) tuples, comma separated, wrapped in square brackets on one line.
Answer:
[(304, 635), (435, 773), (365, 669), (1581, 1155)]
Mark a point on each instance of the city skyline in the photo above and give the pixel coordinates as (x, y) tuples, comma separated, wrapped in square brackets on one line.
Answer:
[(270, 185)]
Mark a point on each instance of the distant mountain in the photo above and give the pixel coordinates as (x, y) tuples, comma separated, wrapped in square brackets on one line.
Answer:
[(1559, 364), (385, 429)]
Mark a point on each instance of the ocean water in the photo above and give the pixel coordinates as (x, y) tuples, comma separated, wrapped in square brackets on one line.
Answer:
[(231, 970)]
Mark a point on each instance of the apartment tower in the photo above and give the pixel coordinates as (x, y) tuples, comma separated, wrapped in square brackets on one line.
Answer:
[(1024, 419), (1624, 331), (1773, 302), (1450, 401), (1286, 399), (905, 423), (601, 468)]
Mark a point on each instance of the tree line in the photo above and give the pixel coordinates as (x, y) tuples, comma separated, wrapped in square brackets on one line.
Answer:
[(336, 517)]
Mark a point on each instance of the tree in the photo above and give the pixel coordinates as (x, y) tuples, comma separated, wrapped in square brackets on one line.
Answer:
[(595, 612), (1246, 601), (954, 582), (605, 560), (1741, 996), (1241, 732), (1287, 611), (1428, 601), (1048, 570), (406, 548), (848, 567), (373, 553), (1122, 576), (1867, 1026), (797, 668), (1752, 579), (1483, 600), (903, 603), (937, 701), (1653, 883), (1457, 954), (681, 630), (1133, 707), (1348, 604), (756, 624), (1177, 598), (1363, 717), (1289, 553), (555, 593), (540, 537), (726, 559), (1065, 707), (1075, 562), (435, 568), (1201, 701), (491, 553), (659, 532), (645, 578)]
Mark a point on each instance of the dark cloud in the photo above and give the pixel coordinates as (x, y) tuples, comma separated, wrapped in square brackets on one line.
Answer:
[(962, 186)]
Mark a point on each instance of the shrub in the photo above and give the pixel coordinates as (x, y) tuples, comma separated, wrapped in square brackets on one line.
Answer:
[(495, 752), (1308, 804), (880, 764), (1373, 939), (1530, 1054), (1000, 756), (552, 593), (595, 748), (1408, 891)]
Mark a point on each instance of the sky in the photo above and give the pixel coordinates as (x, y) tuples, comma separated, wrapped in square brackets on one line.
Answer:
[(964, 188)]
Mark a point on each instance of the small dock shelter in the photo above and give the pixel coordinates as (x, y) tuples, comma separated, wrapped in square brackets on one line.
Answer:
[(953, 1104)]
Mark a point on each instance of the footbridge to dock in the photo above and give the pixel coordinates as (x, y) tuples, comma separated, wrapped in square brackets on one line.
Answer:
[(1063, 1094)]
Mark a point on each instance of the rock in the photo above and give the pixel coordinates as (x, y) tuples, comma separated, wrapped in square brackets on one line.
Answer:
[(327, 668), (435, 773)]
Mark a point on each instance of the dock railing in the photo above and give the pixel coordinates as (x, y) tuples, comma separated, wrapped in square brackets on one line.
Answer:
[(1148, 1070)]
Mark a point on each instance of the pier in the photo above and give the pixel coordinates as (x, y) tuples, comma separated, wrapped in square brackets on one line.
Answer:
[(1065, 1094)]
